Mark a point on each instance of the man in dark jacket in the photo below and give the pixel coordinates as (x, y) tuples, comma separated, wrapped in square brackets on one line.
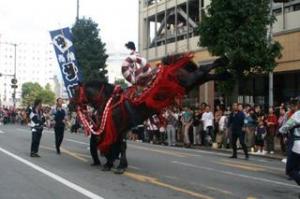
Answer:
[(59, 117), (236, 123), (37, 123)]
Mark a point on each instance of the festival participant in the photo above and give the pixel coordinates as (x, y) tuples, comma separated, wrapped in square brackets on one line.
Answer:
[(293, 160), (37, 123), (59, 127), (135, 68)]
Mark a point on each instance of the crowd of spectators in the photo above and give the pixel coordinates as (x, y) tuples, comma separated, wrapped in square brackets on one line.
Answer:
[(209, 127)]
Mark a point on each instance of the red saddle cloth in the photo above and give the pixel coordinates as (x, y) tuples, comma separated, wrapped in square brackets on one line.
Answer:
[(164, 90), (162, 93)]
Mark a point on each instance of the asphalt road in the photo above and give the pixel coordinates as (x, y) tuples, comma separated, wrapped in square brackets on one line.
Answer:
[(154, 172)]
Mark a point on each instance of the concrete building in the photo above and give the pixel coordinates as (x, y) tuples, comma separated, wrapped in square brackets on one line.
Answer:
[(168, 26), (35, 62)]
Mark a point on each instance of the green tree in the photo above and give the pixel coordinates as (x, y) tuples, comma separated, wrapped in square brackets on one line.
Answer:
[(238, 29), (47, 95), (32, 91), (122, 83), (90, 50)]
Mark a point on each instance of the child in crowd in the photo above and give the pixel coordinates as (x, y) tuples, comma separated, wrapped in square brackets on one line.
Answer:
[(260, 134)]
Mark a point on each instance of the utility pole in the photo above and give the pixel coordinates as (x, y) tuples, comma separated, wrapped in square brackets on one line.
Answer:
[(15, 76), (271, 75), (77, 12)]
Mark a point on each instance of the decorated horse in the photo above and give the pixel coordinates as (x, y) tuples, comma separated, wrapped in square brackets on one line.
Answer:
[(117, 110)]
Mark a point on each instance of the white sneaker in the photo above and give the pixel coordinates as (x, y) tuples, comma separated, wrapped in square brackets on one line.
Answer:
[(264, 152), (284, 160), (272, 152)]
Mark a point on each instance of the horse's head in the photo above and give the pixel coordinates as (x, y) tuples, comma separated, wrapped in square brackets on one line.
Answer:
[(79, 98), (93, 93), (172, 59)]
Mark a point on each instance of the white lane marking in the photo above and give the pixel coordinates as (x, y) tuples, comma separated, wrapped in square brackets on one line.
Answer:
[(2, 132), (62, 180), (236, 174), (78, 142)]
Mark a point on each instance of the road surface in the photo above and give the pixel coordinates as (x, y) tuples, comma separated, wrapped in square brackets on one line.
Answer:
[(154, 172)]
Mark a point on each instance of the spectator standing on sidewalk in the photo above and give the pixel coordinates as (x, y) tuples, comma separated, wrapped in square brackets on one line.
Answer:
[(249, 127), (271, 122), (208, 121), (221, 134), (171, 121), (187, 120), (260, 134), (218, 114), (197, 126), (236, 123), (281, 119)]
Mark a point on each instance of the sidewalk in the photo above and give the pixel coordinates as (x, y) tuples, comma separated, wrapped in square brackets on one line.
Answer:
[(275, 156)]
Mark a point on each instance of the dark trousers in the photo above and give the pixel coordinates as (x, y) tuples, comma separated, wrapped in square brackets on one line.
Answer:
[(35, 142), (241, 136), (59, 136), (293, 166), (94, 149)]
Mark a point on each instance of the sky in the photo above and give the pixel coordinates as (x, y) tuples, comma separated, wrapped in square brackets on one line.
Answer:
[(30, 20)]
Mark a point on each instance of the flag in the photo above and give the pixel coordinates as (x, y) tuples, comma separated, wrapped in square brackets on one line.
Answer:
[(65, 54)]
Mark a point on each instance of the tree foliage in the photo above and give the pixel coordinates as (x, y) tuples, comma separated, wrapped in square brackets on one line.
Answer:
[(32, 91), (238, 29), (90, 50)]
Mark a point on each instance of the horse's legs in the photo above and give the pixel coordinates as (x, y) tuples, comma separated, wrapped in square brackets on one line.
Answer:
[(109, 162), (123, 160)]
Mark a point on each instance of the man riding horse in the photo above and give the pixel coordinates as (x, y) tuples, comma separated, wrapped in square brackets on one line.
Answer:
[(123, 110)]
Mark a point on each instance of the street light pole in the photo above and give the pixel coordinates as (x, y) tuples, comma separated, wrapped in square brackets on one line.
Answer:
[(271, 75), (77, 11), (15, 75)]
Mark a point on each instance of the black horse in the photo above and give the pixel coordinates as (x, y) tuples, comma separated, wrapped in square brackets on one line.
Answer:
[(127, 115)]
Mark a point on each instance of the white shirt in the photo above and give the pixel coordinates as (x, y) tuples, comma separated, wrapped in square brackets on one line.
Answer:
[(207, 118), (292, 122), (222, 123)]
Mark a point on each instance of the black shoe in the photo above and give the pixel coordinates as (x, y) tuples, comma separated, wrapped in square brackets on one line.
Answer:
[(233, 157), (35, 155), (247, 157), (96, 164), (107, 167)]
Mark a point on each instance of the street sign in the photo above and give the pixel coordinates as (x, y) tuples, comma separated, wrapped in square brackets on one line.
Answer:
[(14, 81), (14, 86)]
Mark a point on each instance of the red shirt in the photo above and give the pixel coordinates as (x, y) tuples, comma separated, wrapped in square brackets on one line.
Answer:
[(272, 119)]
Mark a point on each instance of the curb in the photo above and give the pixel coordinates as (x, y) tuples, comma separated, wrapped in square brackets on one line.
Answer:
[(229, 151)]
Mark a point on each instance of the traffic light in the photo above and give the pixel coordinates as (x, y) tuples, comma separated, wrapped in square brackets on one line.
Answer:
[(14, 82)]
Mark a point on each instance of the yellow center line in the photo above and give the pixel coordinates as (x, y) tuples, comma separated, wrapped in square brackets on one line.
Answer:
[(254, 165), (217, 189), (239, 166), (141, 178), (177, 154), (74, 155), (155, 181)]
